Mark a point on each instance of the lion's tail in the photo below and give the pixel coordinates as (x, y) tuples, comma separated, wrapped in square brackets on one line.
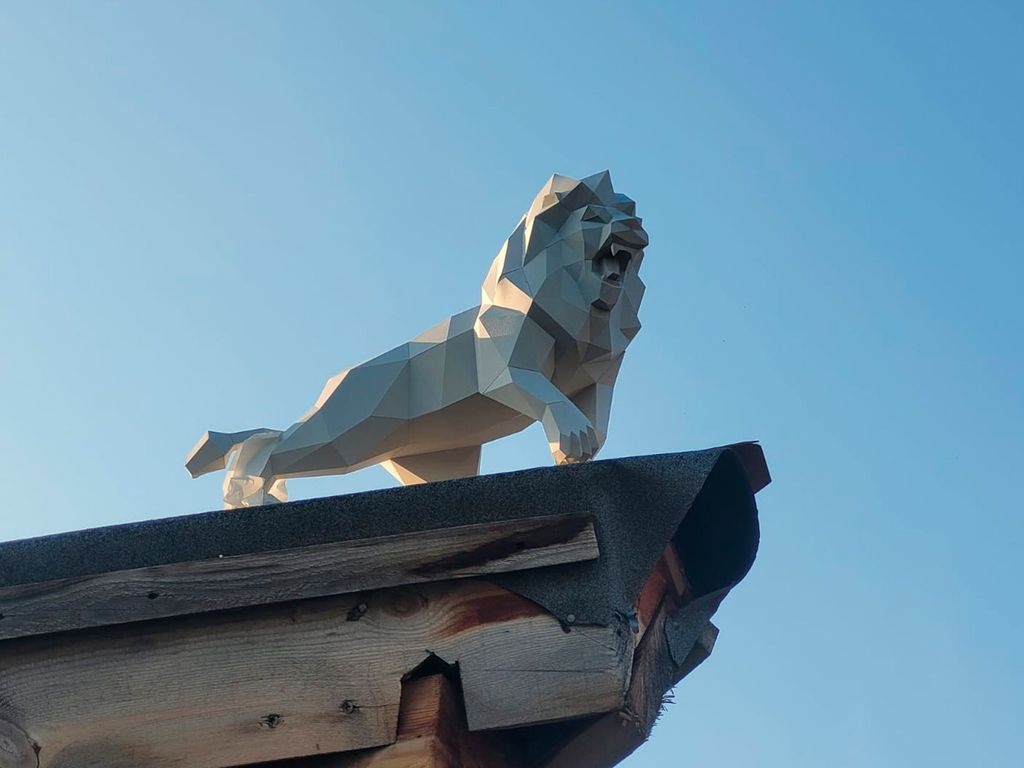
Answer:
[(212, 451)]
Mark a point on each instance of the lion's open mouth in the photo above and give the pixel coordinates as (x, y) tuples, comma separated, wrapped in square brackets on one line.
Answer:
[(612, 261)]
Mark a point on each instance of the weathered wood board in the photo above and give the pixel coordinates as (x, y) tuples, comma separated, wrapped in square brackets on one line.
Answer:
[(281, 681), (315, 571), (609, 739), (287, 658), (432, 733), (606, 740)]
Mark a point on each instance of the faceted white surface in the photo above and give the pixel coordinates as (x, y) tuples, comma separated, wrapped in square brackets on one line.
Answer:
[(558, 309)]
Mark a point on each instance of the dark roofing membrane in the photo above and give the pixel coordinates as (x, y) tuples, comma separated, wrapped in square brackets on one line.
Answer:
[(703, 501)]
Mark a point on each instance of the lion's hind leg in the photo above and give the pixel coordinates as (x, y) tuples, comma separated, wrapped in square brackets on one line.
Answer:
[(438, 465), (247, 483)]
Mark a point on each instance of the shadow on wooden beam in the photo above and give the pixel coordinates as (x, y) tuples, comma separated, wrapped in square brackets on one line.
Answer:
[(432, 733)]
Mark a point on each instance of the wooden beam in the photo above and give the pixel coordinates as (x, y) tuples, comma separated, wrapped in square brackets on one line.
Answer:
[(666, 579), (300, 679), (607, 739), (177, 589), (432, 733)]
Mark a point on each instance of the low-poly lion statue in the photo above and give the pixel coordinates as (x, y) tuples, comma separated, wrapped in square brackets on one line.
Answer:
[(558, 309)]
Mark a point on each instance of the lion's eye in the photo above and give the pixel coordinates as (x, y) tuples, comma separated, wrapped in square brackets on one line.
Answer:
[(592, 215)]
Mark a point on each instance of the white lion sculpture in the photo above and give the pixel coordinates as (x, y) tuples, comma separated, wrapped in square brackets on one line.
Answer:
[(559, 307)]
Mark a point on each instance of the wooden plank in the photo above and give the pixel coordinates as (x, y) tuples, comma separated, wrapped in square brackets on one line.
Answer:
[(432, 733), (751, 457), (605, 740), (609, 739), (670, 558), (667, 580), (271, 577), (300, 679)]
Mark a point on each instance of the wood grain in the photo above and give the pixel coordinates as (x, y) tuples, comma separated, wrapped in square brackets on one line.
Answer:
[(666, 579), (16, 749), (300, 679), (432, 733), (608, 740), (271, 577)]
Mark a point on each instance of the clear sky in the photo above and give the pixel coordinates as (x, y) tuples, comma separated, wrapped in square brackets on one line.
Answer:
[(207, 209)]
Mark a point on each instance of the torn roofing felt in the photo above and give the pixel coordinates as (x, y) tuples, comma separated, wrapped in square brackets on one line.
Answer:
[(703, 501)]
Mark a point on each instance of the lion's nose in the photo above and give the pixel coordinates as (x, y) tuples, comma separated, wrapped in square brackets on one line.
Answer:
[(629, 233)]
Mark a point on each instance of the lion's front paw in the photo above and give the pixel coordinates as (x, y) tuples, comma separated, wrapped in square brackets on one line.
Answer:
[(578, 442)]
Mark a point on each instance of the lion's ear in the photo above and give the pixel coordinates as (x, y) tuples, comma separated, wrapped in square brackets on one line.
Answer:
[(601, 185), (556, 188), (559, 184)]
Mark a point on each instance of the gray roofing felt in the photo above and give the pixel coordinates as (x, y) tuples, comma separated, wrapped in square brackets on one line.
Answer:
[(701, 500)]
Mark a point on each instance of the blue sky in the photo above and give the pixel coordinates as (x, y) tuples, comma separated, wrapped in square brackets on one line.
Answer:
[(206, 210)]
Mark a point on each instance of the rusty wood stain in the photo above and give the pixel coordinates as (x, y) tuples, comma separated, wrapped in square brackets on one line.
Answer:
[(493, 608), (541, 535)]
